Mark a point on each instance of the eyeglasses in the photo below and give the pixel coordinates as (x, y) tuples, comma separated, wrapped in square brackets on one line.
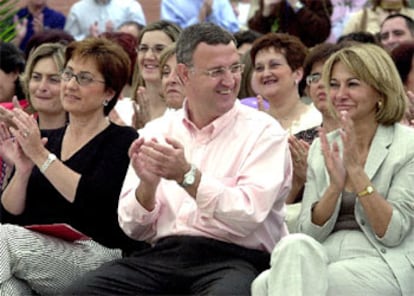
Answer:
[(156, 49), (219, 72), (313, 78), (83, 79)]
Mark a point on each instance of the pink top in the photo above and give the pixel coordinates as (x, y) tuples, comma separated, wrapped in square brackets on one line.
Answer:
[(246, 175)]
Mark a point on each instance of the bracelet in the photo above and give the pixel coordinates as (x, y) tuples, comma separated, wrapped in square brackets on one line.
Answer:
[(50, 158)]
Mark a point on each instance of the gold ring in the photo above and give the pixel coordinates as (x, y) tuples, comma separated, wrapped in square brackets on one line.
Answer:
[(297, 159), (25, 134)]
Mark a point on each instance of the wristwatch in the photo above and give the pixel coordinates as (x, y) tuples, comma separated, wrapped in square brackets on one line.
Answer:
[(298, 6), (367, 191), (189, 177), (50, 158)]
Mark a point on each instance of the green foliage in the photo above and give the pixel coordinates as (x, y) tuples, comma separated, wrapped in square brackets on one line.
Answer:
[(7, 11)]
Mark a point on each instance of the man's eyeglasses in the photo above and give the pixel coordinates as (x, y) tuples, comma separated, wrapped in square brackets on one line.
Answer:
[(219, 72), (83, 78), (156, 49), (313, 78)]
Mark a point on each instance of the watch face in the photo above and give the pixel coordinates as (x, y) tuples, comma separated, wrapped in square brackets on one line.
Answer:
[(370, 189), (189, 180)]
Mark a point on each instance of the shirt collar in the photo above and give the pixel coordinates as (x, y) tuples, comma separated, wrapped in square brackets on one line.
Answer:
[(216, 126)]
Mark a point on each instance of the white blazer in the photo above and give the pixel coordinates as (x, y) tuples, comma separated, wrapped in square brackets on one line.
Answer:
[(390, 167)]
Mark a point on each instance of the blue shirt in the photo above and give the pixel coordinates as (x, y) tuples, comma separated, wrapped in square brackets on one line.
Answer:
[(52, 19), (184, 13)]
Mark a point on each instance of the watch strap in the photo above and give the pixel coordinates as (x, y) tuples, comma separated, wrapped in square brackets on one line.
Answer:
[(50, 158), (367, 191), (189, 177)]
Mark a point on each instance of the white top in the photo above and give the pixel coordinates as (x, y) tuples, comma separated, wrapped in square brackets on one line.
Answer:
[(311, 118), (85, 13), (125, 110)]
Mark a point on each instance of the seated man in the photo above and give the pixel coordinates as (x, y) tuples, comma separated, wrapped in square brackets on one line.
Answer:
[(34, 18), (207, 192), (396, 28), (190, 12), (93, 17)]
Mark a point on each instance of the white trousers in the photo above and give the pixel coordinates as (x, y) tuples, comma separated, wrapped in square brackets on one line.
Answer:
[(30, 261), (345, 265)]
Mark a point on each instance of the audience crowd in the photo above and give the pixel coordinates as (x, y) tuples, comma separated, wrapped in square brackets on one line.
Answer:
[(230, 147)]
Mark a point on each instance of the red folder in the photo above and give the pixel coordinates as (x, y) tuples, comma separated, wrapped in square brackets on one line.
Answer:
[(59, 230)]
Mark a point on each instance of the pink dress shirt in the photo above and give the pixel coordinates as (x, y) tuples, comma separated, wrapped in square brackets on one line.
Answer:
[(246, 172)]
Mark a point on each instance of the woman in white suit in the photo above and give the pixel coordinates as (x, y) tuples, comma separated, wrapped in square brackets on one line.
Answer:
[(357, 215)]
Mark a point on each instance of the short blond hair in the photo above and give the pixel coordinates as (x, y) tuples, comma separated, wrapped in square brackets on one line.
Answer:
[(373, 65)]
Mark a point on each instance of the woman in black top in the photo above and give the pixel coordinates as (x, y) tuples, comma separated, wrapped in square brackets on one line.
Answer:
[(71, 175)]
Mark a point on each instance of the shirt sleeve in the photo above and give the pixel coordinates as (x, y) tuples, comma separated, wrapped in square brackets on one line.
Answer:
[(224, 16), (73, 27), (134, 219), (182, 17), (401, 197)]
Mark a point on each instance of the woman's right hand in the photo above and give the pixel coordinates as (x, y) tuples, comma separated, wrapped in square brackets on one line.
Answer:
[(333, 162), (142, 111)]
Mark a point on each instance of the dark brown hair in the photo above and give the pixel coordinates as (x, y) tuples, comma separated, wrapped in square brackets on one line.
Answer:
[(111, 61), (402, 56)]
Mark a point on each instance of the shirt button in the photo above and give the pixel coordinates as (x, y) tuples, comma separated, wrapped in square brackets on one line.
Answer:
[(362, 222), (383, 250)]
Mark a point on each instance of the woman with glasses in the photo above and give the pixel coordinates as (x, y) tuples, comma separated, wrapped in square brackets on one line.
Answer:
[(357, 216), (72, 175), (277, 71), (315, 89), (152, 40)]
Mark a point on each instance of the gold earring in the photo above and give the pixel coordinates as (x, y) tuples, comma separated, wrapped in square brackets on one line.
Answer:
[(379, 105)]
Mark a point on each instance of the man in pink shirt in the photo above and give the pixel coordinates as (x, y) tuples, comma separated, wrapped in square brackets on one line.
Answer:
[(207, 189)]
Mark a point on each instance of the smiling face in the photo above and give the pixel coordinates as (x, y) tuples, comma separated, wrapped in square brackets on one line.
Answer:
[(44, 87), (393, 32), (149, 50), (210, 97), (86, 99), (317, 90), (350, 94), (172, 88), (273, 78)]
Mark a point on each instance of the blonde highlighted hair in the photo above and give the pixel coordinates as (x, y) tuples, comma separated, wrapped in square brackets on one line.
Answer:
[(373, 65)]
